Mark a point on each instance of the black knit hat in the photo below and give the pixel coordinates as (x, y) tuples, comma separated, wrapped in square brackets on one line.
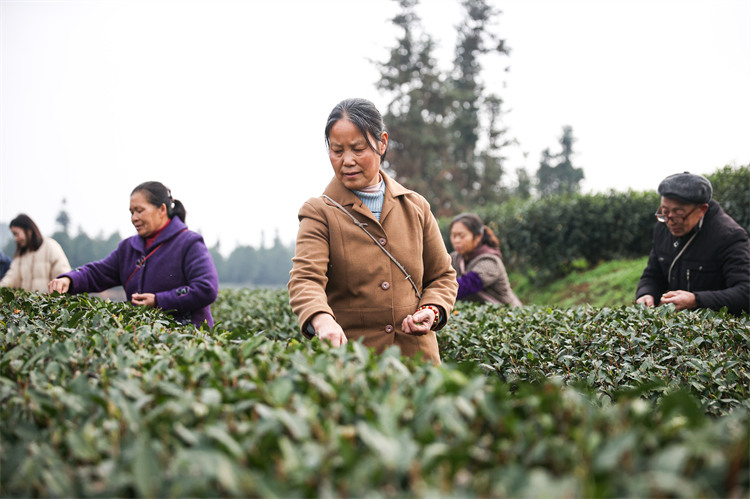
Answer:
[(687, 188)]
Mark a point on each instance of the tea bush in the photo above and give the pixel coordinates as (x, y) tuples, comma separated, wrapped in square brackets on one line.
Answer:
[(616, 351), (105, 399)]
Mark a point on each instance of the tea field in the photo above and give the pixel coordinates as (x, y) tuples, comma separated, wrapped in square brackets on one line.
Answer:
[(99, 398)]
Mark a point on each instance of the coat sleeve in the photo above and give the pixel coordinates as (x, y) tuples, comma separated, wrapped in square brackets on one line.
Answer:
[(468, 284), (308, 277), (735, 267), (11, 277), (202, 286), (653, 281), (439, 284), (96, 276)]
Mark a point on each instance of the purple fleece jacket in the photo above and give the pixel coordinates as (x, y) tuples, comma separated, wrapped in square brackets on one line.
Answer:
[(177, 267)]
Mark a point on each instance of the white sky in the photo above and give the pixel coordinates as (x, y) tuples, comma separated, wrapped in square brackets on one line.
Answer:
[(225, 101)]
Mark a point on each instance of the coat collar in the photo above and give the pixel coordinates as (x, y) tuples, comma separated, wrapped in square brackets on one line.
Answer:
[(482, 249), (175, 227), (336, 190)]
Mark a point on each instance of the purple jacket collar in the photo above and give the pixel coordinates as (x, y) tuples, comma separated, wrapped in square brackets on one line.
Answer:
[(175, 226)]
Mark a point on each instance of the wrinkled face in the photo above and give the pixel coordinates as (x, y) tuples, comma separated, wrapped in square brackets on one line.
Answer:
[(463, 240), (146, 218), (354, 163), (20, 236), (681, 217)]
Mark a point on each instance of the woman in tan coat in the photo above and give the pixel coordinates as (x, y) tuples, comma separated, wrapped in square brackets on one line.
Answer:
[(37, 260), (369, 261)]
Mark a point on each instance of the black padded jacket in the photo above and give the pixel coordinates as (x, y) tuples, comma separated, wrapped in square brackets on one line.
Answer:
[(715, 265)]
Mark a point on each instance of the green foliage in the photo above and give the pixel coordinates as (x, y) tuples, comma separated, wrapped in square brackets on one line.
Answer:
[(650, 351), (609, 284), (106, 399), (544, 238), (264, 311), (731, 187), (437, 119)]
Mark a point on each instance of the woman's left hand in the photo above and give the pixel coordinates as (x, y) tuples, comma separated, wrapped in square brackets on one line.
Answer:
[(144, 299), (419, 323)]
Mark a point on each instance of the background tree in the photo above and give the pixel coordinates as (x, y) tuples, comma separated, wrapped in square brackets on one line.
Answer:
[(437, 120), (417, 155), (524, 184), (556, 174), (62, 218)]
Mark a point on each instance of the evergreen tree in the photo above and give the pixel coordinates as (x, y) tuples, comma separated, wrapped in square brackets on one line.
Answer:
[(524, 184), (62, 218), (435, 118), (556, 174)]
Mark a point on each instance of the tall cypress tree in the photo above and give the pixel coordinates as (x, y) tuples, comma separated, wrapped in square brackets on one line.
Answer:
[(437, 120)]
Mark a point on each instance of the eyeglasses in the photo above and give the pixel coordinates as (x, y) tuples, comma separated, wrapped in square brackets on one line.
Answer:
[(677, 218)]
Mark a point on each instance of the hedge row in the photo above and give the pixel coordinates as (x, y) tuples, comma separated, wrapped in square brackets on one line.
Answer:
[(545, 238), (103, 399)]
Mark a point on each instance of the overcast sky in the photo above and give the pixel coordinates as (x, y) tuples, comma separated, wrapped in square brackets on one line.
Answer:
[(225, 101)]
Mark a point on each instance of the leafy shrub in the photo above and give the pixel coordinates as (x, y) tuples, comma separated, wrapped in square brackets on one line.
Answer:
[(105, 399), (264, 311), (732, 190), (614, 350), (544, 238)]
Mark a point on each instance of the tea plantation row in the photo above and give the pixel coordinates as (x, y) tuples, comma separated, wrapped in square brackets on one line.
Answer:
[(103, 399)]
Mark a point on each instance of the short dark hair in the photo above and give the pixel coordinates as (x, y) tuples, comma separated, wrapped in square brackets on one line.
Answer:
[(477, 227), (158, 194), (33, 236), (364, 115)]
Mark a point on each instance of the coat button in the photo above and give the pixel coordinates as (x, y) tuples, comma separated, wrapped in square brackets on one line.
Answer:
[(389, 329), (382, 241), (385, 285)]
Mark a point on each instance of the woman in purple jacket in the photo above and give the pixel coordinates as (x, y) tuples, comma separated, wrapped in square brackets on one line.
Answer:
[(165, 265)]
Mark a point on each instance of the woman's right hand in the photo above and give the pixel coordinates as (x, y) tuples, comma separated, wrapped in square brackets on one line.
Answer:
[(61, 285), (326, 328)]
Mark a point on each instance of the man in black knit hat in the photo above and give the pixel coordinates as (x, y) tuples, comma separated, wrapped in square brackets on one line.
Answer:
[(700, 257)]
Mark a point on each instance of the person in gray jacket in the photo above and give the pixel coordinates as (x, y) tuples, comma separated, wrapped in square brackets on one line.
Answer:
[(700, 256), (478, 262)]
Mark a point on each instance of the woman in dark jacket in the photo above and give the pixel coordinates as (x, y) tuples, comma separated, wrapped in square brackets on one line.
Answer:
[(165, 265), (478, 263)]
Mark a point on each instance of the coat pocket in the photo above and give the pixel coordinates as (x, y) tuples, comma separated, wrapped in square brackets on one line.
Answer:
[(703, 276)]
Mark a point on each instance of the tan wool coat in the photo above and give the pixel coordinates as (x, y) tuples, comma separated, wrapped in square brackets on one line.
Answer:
[(338, 268), (33, 270)]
